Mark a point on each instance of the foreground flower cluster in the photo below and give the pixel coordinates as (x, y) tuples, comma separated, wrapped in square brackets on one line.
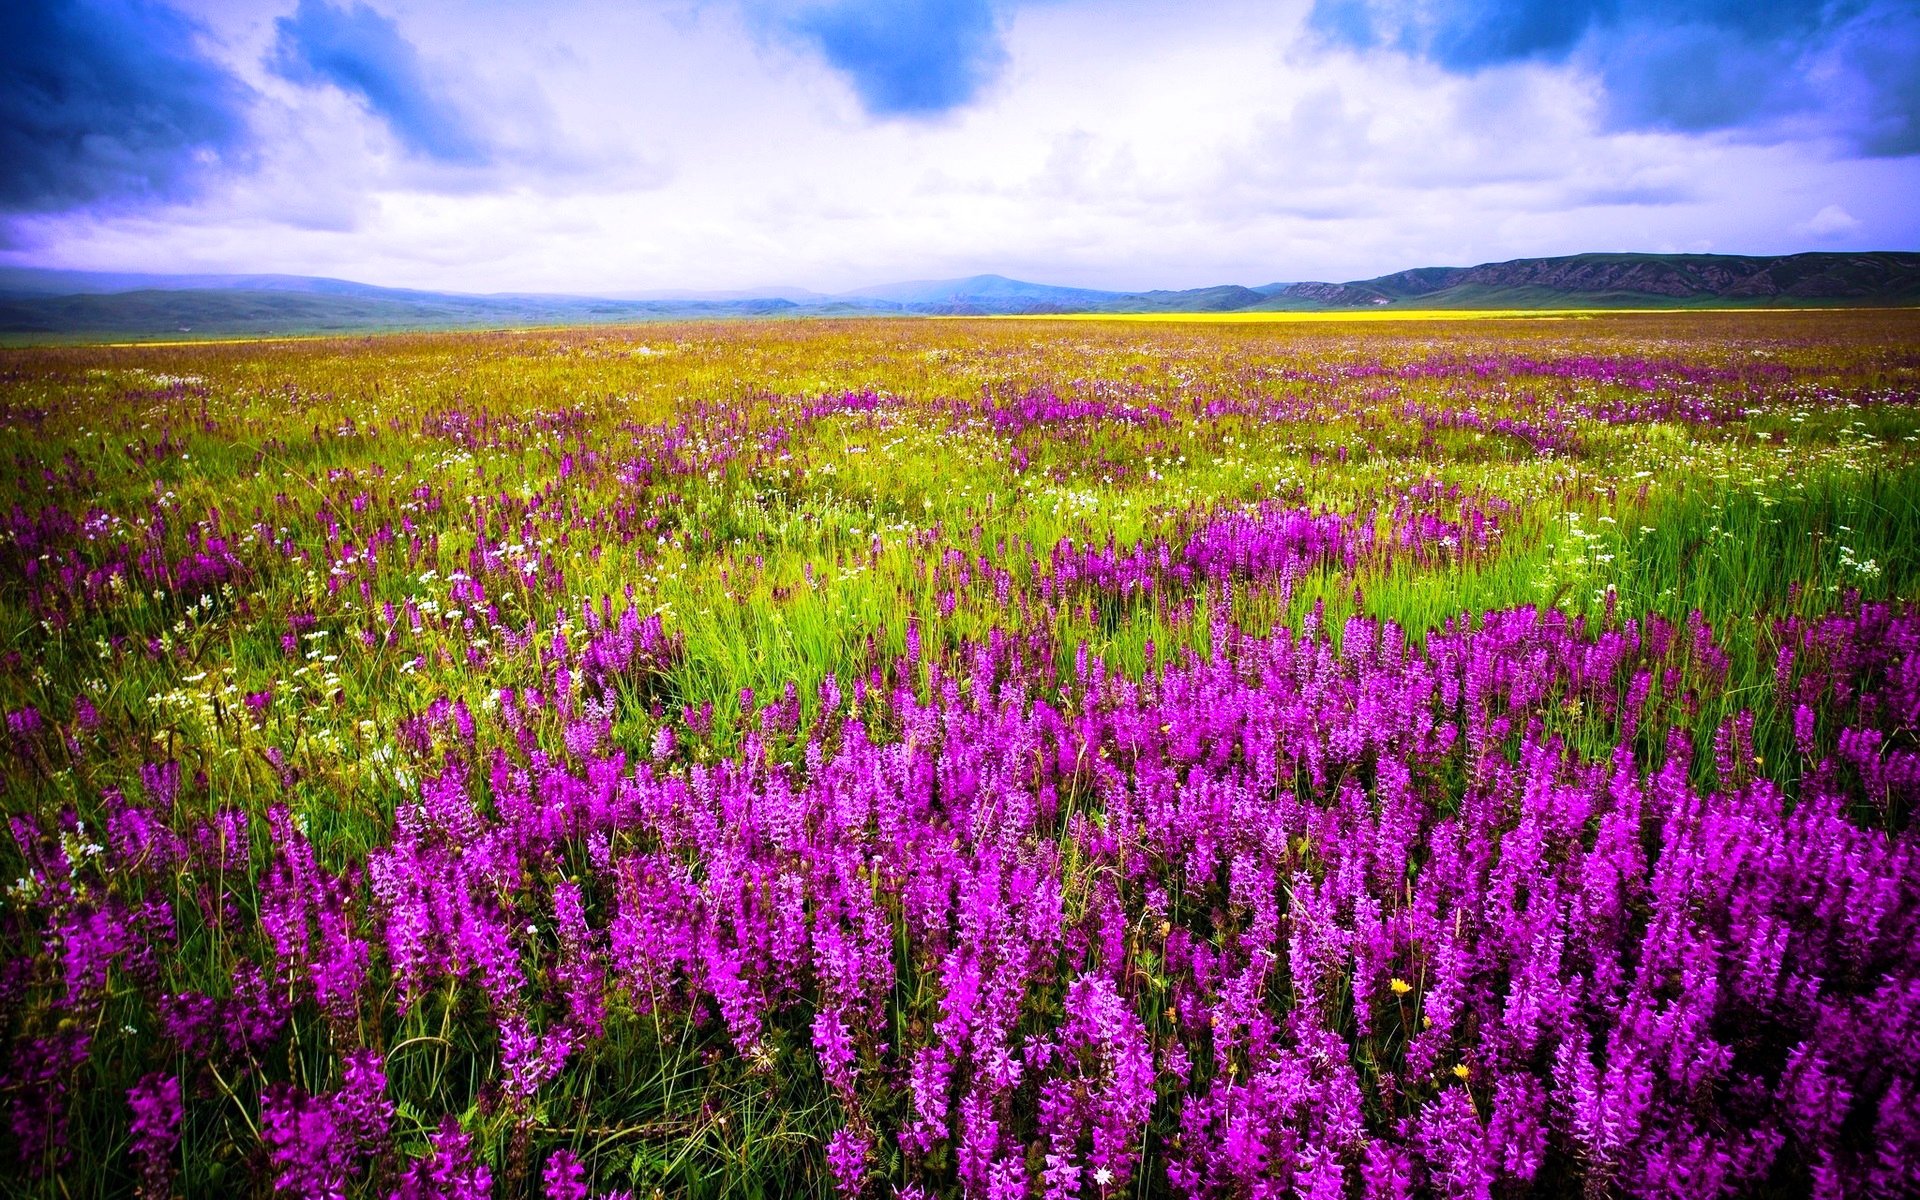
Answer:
[(1299, 917)]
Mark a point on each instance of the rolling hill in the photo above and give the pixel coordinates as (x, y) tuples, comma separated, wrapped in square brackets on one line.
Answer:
[(36, 304), (1633, 280)]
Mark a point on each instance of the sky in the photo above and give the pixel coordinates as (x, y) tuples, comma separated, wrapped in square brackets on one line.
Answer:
[(607, 148)]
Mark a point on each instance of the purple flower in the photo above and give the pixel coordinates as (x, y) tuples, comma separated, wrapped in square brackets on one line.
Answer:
[(530, 1059), (565, 1177), (155, 1101), (318, 1144), (847, 1154), (24, 723), (450, 1171)]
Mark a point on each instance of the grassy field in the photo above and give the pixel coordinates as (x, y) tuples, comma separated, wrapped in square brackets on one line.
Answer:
[(1355, 754)]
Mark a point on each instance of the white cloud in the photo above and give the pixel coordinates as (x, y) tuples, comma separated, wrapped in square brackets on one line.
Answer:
[(1162, 144), (1831, 222)]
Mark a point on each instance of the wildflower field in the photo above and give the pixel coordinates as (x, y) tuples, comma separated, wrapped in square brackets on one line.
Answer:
[(934, 758)]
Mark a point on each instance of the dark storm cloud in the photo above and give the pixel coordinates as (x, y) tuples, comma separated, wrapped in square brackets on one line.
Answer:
[(906, 57), (1464, 34), (364, 54), (108, 101), (1882, 53), (1688, 65), (1460, 35)]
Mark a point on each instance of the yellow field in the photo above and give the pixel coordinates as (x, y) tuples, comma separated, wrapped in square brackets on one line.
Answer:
[(1384, 314)]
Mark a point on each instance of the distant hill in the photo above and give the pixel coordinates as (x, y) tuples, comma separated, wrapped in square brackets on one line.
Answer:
[(44, 303), (19, 282), (214, 306), (994, 292), (1645, 280)]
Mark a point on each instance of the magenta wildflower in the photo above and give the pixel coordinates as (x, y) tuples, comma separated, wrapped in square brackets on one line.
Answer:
[(847, 1154), (565, 1177), (156, 1130), (450, 1171)]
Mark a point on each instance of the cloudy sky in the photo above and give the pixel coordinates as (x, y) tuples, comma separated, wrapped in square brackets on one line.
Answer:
[(593, 146)]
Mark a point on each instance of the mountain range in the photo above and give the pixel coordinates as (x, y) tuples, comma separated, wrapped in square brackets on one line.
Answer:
[(37, 303)]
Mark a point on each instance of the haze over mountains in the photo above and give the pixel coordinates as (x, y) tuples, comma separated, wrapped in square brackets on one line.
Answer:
[(78, 303)]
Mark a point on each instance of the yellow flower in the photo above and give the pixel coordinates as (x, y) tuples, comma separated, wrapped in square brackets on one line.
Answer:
[(1460, 1069), (1400, 987)]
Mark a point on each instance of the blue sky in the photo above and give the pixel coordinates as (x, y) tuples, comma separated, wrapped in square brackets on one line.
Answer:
[(620, 147)]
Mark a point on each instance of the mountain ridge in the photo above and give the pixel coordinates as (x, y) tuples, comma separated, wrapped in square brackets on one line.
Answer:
[(1883, 276), (59, 303)]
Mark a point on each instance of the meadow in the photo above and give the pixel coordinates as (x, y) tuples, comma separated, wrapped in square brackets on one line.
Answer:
[(987, 758)]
